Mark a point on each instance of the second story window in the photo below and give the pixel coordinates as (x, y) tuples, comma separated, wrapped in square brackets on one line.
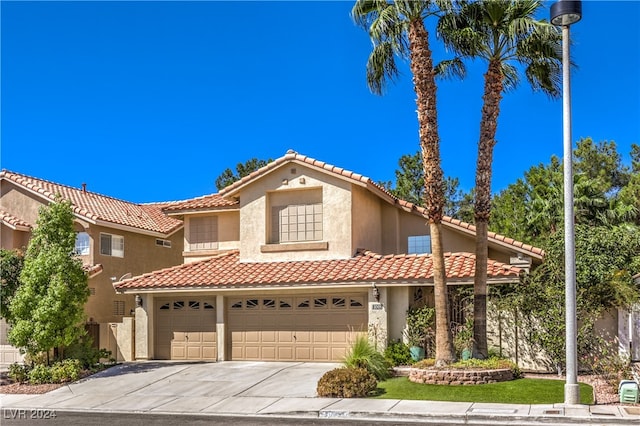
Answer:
[(112, 245), (419, 244), (203, 233), (297, 223), (82, 244)]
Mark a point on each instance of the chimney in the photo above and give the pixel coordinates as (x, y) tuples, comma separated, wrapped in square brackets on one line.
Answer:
[(84, 188)]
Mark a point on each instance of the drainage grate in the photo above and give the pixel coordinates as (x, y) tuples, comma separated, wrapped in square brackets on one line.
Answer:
[(552, 412)]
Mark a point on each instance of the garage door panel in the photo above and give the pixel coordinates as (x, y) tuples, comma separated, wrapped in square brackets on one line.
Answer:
[(269, 353), (252, 352), (321, 354), (285, 353), (208, 337), (321, 337), (303, 353)]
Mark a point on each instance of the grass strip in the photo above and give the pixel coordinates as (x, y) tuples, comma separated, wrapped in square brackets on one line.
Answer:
[(520, 391)]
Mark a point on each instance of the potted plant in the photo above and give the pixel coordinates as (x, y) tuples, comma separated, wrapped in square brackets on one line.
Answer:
[(418, 330)]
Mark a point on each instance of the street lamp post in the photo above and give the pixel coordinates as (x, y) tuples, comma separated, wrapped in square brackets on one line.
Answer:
[(564, 13)]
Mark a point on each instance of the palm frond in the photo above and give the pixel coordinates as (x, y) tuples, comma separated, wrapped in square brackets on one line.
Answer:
[(511, 77), (381, 66), (451, 68)]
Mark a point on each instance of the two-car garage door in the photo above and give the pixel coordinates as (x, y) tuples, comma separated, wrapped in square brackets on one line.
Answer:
[(295, 328), (266, 328)]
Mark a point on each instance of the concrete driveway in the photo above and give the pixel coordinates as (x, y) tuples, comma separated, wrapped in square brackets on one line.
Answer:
[(227, 387), (152, 379)]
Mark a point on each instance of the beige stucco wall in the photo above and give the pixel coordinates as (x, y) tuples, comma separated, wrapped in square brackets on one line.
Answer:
[(366, 213), (255, 214), (19, 202), (398, 303), (141, 255), (228, 235)]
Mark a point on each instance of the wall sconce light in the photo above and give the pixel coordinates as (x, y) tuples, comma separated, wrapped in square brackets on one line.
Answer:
[(302, 181), (376, 293), (285, 181), (138, 301)]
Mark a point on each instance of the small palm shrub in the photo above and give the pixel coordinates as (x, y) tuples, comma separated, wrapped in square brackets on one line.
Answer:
[(346, 383), (362, 354), (397, 353)]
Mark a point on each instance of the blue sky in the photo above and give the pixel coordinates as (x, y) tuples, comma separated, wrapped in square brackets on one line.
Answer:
[(151, 101)]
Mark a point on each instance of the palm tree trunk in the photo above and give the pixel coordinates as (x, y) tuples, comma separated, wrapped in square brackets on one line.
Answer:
[(425, 88), (488, 126)]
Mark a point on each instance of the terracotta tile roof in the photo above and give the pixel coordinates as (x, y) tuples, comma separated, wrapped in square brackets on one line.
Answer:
[(92, 270), (207, 202), (95, 207), (226, 271), (380, 191), (13, 222), (308, 161)]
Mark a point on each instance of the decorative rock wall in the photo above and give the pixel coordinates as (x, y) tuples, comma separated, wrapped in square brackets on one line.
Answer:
[(459, 377)]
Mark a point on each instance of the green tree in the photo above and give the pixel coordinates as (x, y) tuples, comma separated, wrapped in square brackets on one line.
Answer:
[(630, 194), (47, 309), (532, 208), (11, 262), (397, 28), (228, 176), (606, 259), (409, 186), (504, 34)]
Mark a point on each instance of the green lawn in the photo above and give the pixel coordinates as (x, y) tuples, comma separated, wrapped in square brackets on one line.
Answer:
[(521, 391)]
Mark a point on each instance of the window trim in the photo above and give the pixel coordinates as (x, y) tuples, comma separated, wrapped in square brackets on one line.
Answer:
[(112, 250), (418, 245), (195, 244), (85, 250)]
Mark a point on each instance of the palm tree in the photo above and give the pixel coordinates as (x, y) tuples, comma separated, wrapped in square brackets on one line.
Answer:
[(505, 34), (397, 28)]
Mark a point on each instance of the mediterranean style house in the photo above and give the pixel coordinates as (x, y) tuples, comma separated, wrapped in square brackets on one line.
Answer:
[(294, 260), (115, 239)]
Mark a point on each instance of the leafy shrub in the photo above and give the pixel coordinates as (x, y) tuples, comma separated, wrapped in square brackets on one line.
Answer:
[(84, 351), (362, 354), (40, 374), (397, 353), (463, 337), (18, 372), (420, 330), (66, 371), (346, 383)]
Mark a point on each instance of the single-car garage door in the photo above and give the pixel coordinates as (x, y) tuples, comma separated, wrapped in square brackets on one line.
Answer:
[(186, 329), (295, 328)]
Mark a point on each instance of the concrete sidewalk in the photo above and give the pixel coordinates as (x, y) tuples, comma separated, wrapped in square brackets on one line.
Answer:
[(280, 390)]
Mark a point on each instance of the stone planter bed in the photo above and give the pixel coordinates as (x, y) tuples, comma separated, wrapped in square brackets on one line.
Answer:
[(459, 377)]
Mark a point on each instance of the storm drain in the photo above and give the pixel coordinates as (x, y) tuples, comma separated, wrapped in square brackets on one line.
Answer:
[(552, 412)]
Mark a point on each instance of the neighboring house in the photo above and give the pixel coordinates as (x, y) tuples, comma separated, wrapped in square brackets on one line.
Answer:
[(292, 261), (115, 239)]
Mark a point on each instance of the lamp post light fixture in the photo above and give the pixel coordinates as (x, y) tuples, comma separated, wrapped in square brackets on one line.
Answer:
[(564, 13)]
